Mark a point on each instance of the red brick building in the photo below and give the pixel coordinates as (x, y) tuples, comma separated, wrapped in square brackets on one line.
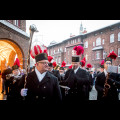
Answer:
[(14, 42), (97, 44)]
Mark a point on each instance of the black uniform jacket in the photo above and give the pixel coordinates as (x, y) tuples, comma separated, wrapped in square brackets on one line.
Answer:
[(113, 81), (56, 74), (46, 91), (79, 84)]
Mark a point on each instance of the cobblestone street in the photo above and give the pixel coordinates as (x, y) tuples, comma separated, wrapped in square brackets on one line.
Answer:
[(93, 94)]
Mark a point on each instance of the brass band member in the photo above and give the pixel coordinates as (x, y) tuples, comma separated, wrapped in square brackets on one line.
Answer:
[(77, 79), (51, 68), (13, 79), (113, 82)]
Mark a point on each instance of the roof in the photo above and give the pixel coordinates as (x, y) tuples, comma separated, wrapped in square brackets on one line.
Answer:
[(83, 35), (13, 27)]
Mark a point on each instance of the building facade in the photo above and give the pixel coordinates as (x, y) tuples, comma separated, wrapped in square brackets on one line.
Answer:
[(14, 42), (97, 45)]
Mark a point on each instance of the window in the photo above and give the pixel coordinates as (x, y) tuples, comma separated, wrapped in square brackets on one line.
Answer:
[(78, 39), (98, 41), (119, 36), (111, 38), (119, 68), (51, 52), (54, 51), (111, 50), (17, 23), (104, 54), (103, 41), (68, 52), (97, 55), (65, 49), (93, 44), (59, 60), (75, 40), (86, 44), (118, 52)]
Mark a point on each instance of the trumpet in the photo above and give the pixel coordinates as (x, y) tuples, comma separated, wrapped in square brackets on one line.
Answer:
[(8, 76)]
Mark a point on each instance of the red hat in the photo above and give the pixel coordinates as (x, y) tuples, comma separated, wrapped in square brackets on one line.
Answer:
[(112, 55)]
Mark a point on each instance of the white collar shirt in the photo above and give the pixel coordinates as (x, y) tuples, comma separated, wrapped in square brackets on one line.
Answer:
[(76, 70), (39, 75)]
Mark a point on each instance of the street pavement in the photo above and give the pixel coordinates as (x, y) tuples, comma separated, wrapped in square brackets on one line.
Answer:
[(93, 94)]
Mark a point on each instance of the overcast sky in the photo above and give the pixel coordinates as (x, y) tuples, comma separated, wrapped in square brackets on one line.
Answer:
[(59, 30)]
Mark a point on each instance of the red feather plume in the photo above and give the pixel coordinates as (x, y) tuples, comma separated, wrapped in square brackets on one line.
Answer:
[(17, 62), (102, 62), (84, 59), (112, 55), (54, 64), (83, 63), (89, 65), (50, 58), (79, 50), (63, 64), (70, 67)]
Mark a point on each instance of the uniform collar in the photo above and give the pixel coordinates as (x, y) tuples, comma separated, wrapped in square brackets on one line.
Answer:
[(76, 70), (39, 75)]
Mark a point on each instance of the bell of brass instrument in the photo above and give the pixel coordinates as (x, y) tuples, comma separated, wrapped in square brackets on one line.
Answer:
[(8, 76)]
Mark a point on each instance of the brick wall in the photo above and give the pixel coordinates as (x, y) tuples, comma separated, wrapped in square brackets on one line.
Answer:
[(103, 33)]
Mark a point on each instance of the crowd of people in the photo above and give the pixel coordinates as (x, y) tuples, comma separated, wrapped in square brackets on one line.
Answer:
[(48, 82)]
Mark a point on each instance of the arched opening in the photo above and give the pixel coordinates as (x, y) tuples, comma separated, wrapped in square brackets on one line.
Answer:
[(8, 52)]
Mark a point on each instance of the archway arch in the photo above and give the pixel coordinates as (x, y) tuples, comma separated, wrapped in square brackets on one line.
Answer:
[(8, 50)]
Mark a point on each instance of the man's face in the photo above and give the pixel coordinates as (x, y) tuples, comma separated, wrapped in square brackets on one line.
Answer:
[(50, 68), (42, 65), (75, 65), (16, 72), (106, 64)]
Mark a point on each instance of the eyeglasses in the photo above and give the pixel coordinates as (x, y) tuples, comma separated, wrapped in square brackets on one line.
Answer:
[(108, 63), (43, 63)]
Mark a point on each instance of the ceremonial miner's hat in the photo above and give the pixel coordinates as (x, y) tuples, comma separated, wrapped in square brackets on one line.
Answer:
[(50, 59), (39, 53), (62, 65), (76, 52), (102, 64), (111, 56)]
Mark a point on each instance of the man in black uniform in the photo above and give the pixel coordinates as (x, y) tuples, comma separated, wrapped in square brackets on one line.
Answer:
[(53, 71), (14, 92), (113, 82), (77, 79), (42, 86)]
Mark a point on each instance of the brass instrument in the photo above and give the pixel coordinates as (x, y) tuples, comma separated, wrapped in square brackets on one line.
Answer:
[(8, 76), (106, 86)]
